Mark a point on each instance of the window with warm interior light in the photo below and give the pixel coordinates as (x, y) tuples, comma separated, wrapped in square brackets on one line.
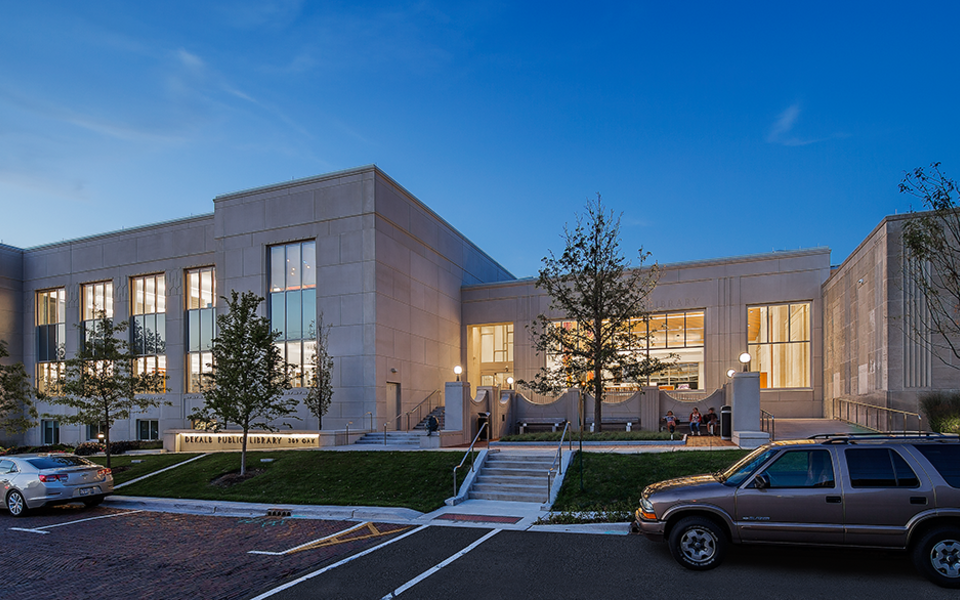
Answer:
[(293, 305), (201, 320), (778, 340), (675, 337), (148, 330), (97, 302), (51, 328)]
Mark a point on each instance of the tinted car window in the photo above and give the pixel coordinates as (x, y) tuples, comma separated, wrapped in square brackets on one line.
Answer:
[(6, 466), (801, 469), (945, 459), (879, 467), (745, 467), (57, 462)]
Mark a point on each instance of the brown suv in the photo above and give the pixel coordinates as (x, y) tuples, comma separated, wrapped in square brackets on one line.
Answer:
[(869, 491)]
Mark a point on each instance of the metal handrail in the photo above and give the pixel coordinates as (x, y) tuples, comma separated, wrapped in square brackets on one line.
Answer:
[(369, 412), (558, 461), (470, 454), (417, 408), (842, 405), (765, 419)]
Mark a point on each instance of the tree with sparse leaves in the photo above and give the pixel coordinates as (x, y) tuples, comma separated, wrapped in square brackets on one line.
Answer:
[(99, 382), (593, 287), (248, 375), (17, 411), (320, 382), (931, 244)]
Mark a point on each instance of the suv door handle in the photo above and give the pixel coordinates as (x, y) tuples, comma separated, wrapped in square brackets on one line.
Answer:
[(834, 500), (918, 500)]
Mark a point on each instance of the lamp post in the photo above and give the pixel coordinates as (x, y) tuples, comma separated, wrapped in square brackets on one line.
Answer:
[(731, 373), (745, 359), (458, 369), (510, 382)]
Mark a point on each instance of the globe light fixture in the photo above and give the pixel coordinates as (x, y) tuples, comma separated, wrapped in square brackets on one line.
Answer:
[(745, 359), (730, 372), (458, 369), (510, 382)]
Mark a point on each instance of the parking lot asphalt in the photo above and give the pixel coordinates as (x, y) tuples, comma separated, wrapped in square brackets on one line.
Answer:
[(107, 553), (69, 553)]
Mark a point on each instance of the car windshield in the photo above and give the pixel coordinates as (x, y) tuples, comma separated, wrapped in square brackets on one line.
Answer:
[(58, 462), (735, 474)]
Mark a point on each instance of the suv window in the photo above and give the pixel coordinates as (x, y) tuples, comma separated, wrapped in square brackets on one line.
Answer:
[(945, 459), (879, 467), (801, 469), (737, 473)]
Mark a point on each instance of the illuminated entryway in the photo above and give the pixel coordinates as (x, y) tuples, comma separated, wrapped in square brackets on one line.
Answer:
[(490, 354)]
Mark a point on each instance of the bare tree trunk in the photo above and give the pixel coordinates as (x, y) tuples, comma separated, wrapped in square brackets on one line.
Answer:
[(243, 450)]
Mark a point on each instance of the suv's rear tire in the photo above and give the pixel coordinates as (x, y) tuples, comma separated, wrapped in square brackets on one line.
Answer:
[(937, 556), (698, 543)]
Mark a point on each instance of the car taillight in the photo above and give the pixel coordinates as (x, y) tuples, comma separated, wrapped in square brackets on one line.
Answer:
[(53, 478), (104, 472)]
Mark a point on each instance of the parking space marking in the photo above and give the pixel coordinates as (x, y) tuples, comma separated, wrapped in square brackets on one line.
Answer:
[(333, 539), (433, 570), (40, 529), (300, 580)]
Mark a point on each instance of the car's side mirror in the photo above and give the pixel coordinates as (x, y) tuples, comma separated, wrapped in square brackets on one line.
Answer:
[(761, 481)]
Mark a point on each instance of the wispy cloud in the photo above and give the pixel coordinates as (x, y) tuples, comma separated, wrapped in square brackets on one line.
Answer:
[(782, 130)]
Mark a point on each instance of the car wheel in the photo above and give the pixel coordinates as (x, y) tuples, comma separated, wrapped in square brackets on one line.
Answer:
[(91, 502), (937, 556), (698, 543), (16, 504)]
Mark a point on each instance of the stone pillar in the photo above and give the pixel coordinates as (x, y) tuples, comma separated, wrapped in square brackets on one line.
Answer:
[(745, 400), (650, 408), (456, 398)]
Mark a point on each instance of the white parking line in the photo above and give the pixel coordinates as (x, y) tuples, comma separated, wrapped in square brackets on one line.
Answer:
[(294, 549), (433, 570), (290, 584), (40, 529), (179, 464)]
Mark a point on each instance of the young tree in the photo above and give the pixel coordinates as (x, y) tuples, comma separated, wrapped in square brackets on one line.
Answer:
[(99, 382), (931, 244), (320, 386), (17, 411), (593, 286), (249, 376)]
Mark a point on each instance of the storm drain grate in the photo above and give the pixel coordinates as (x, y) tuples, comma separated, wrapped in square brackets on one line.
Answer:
[(278, 512)]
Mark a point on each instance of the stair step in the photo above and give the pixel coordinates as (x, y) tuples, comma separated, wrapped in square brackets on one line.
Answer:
[(508, 497)]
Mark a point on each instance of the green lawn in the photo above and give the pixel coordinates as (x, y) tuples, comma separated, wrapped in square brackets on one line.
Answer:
[(417, 480), (126, 470), (613, 482)]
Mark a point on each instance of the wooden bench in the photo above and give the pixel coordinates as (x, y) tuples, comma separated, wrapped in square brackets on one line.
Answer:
[(684, 427)]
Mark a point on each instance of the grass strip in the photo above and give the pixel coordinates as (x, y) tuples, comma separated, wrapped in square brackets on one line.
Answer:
[(612, 483), (124, 469), (417, 480)]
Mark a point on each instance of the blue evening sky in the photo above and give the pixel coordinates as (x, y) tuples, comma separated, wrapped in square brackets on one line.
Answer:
[(717, 128)]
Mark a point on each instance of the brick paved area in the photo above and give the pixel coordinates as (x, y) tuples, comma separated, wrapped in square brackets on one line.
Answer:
[(158, 555)]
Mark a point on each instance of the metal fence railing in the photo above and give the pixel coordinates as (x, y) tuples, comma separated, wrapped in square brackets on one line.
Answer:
[(877, 418)]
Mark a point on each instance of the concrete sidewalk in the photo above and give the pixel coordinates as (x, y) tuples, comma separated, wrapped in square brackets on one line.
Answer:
[(472, 513)]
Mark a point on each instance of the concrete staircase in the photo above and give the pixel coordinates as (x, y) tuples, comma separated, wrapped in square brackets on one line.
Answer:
[(402, 439), (438, 412), (512, 477)]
